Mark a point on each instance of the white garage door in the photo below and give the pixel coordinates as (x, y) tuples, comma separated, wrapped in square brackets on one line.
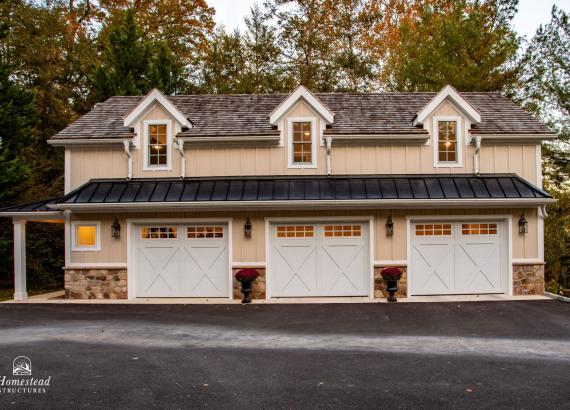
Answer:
[(319, 259), (179, 260), (458, 257)]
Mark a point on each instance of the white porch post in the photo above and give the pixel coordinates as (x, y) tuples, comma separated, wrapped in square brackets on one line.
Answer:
[(20, 292)]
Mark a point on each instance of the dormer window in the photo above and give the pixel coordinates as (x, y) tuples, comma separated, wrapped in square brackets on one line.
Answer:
[(157, 144), (302, 150), (447, 143), (302, 143), (447, 147)]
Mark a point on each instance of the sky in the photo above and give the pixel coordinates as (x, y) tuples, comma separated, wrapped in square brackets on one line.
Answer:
[(531, 13)]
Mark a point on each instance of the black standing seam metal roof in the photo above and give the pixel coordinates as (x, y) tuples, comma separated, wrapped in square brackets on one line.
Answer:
[(354, 187), (37, 206)]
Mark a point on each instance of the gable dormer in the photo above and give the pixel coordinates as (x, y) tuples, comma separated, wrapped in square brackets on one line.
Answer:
[(156, 121), (448, 117), (301, 119)]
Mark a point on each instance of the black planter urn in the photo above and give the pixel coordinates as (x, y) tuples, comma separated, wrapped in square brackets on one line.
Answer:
[(246, 290), (392, 288)]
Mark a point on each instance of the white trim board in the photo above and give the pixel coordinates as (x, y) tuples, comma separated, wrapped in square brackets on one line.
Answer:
[(155, 96), (308, 204), (303, 93), (448, 93)]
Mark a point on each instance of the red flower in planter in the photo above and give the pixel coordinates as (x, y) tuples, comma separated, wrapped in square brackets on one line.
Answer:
[(391, 273), (247, 275)]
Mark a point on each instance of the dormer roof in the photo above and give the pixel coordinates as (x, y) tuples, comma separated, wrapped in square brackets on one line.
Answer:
[(451, 94), (155, 97), (301, 93)]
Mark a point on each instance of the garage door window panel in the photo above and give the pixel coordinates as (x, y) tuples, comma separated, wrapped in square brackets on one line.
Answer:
[(343, 230), (433, 229), (479, 229), (159, 232), (295, 231), (204, 232)]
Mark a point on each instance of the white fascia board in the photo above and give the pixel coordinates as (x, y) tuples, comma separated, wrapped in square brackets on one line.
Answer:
[(378, 138), (236, 139), (448, 92), (301, 92), (310, 204), (515, 138), (87, 142), (152, 97)]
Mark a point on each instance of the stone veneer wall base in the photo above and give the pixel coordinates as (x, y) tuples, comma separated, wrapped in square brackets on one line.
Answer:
[(528, 279), (96, 284)]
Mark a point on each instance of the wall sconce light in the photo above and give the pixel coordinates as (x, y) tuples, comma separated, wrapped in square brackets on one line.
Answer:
[(247, 228), (523, 225), (116, 229), (389, 226)]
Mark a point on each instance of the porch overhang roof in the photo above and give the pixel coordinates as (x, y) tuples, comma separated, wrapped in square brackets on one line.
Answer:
[(304, 192), (38, 210)]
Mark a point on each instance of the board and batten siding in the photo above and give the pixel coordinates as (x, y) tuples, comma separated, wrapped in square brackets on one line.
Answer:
[(253, 249), (88, 163)]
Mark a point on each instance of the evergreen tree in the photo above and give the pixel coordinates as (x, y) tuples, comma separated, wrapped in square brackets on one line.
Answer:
[(225, 64), (546, 93), (264, 68), (166, 72), (125, 59), (467, 43)]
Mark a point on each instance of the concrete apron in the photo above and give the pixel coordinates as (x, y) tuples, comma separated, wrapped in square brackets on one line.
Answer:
[(57, 298)]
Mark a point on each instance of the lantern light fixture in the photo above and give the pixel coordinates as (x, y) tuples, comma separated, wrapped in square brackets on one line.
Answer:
[(523, 225), (116, 229), (389, 226), (247, 228)]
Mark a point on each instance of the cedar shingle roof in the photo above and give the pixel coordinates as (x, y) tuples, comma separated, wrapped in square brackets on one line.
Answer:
[(248, 114)]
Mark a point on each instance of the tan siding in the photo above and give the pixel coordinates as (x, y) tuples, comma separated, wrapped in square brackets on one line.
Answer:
[(242, 161), (253, 249), (88, 163)]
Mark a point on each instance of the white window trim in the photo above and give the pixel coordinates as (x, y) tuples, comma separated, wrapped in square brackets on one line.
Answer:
[(77, 248), (459, 143), (314, 142), (146, 165)]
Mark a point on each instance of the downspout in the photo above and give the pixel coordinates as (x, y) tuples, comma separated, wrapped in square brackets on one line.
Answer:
[(476, 155), (180, 148), (127, 146), (543, 211), (328, 142)]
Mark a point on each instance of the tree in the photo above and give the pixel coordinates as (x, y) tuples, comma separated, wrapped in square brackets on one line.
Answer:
[(224, 64), (125, 59), (467, 43), (264, 69), (183, 25), (546, 92), (18, 119), (304, 43), (166, 71)]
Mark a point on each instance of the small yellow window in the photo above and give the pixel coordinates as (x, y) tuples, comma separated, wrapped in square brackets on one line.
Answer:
[(86, 236)]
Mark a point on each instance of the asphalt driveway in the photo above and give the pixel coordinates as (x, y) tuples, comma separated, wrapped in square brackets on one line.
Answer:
[(412, 355)]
